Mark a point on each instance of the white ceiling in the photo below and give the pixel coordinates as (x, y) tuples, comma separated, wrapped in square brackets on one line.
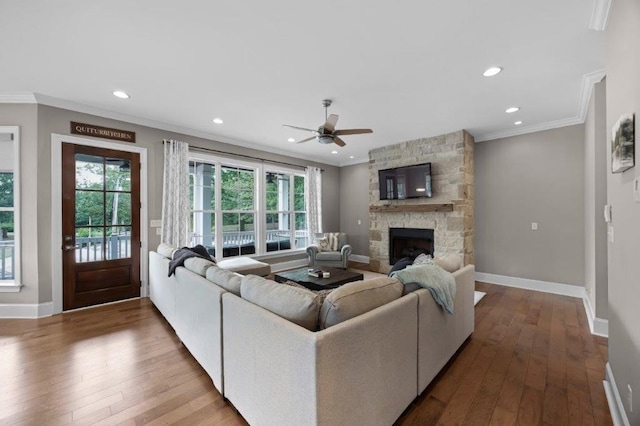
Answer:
[(406, 69)]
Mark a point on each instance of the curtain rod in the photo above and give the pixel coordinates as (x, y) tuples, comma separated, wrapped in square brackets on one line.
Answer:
[(245, 156)]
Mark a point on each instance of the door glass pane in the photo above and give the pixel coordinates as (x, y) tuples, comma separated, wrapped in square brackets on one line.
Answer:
[(118, 208), (89, 172), (89, 244), (118, 174), (89, 208), (118, 242), (6, 189), (7, 246)]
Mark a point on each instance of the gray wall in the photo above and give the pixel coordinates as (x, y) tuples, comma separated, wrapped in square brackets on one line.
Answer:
[(354, 206), (595, 197), (623, 96), (39, 122), (536, 177)]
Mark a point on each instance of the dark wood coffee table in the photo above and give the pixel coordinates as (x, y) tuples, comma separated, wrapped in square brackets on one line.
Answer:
[(301, 276)]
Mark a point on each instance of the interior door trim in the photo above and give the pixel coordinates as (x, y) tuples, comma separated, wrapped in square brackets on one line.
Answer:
[(56, 210)]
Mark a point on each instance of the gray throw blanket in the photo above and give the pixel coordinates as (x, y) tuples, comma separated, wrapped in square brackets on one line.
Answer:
[(439, 282), (185, 253)]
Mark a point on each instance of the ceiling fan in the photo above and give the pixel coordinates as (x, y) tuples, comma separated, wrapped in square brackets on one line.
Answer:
[(327, 133)]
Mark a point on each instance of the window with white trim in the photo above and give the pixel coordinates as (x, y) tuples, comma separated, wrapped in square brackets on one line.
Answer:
[(244, 208), (9, 213)]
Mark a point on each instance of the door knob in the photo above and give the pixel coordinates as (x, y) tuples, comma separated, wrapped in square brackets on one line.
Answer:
[(69, 247)]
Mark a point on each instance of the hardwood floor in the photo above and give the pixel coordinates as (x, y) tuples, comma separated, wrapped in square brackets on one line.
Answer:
[(531, 360)]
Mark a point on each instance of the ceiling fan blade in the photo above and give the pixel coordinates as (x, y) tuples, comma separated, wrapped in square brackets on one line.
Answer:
[(352, 132), (307, 139), (330, 125), (338, 141), (300, 128)]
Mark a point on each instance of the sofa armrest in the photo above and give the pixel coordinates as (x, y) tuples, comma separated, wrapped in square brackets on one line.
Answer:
[(312, 250), (345, 250), (361, 359)]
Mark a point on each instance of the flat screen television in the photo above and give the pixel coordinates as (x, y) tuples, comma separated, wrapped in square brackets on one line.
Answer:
[(405, 182)]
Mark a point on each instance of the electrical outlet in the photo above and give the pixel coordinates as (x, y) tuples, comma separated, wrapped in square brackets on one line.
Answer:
[(534, 226), (158, 231), (630, 397), (359, 222), (610, 232)]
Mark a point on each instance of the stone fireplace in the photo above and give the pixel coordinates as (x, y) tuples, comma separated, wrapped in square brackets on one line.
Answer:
[(449, 213), (409, 242)]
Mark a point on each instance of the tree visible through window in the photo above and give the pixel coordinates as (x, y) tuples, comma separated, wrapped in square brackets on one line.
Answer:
[(247, 224)]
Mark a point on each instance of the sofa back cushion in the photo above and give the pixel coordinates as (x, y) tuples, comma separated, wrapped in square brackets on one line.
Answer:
[(198, 265), (297, 305), (166, 250), (449, 262), (357, 298), (228, 280)]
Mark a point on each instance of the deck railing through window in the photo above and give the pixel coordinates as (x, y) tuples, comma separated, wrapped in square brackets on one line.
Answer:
[(7, 260)]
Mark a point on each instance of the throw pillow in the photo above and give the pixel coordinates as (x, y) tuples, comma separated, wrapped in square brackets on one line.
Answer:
[(423, 259), (334, 241), (401, 264), (357, 298), (300, 306), (449, 262), (323, 244), (166, 250)]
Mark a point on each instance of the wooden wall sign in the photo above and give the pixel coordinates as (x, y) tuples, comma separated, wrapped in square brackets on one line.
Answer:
[(102, 132)]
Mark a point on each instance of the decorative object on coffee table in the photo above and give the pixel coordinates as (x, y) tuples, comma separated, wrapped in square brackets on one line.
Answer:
[(301, 276)]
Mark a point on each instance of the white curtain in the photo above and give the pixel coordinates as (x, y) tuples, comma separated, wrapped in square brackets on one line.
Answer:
[(313, 195), (175, 194)]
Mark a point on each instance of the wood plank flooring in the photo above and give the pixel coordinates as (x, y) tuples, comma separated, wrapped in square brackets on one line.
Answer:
[(531, 360)]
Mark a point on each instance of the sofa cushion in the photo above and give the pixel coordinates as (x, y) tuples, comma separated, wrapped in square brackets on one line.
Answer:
[(198, 265), (357, 298), (245, 266), (299, 306), (449, 262), (166, 250), (329, 255), (228, 280)]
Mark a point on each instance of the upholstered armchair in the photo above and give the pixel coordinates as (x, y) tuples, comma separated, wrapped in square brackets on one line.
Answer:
[(331, 249)]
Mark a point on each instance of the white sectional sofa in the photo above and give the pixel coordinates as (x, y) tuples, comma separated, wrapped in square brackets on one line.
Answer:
[(364, 369)]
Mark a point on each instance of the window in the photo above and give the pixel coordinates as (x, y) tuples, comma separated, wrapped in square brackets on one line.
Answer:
[(9, 214), (255, 210)]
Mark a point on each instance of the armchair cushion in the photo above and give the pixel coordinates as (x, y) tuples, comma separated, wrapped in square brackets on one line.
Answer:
[(329, 255)]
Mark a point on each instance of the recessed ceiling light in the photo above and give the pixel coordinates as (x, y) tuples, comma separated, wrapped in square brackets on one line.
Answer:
[(351, 156), (490, 72), (334, 152), (291, 140), (512, 109), (218, 120), (517, 123), (120, 94)]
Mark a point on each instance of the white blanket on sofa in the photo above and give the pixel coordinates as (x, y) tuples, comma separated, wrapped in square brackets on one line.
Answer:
[(439, 282)]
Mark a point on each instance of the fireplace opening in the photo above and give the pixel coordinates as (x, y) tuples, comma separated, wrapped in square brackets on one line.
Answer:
[(409, 242)]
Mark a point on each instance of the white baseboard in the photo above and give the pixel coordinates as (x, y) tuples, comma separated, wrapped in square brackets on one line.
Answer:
[(24, 310), (299, 263), (598, 326), (359, 258), (618, 415), (544, 286)]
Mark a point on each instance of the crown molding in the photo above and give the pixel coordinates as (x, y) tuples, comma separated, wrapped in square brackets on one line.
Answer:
[(17, 98), (40, 99), (599, 15), (588, 80)]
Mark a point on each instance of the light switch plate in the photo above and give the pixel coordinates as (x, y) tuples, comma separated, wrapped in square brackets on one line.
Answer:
[(534, 226), (156, 223), (158, 231)]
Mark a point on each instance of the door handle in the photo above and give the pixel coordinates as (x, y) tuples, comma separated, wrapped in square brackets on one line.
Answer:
[(70, 247)]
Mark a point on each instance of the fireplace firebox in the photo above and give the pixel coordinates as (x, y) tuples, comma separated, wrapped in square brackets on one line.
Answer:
[(409, 242)]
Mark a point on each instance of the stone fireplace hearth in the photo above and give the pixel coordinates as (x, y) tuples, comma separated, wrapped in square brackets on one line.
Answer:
[(449, 213)]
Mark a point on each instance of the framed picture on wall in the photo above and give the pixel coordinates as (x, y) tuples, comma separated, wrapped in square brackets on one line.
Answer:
[(623, 144)]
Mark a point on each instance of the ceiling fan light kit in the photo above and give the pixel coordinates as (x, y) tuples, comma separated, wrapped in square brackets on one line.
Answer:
[(327, 133)]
